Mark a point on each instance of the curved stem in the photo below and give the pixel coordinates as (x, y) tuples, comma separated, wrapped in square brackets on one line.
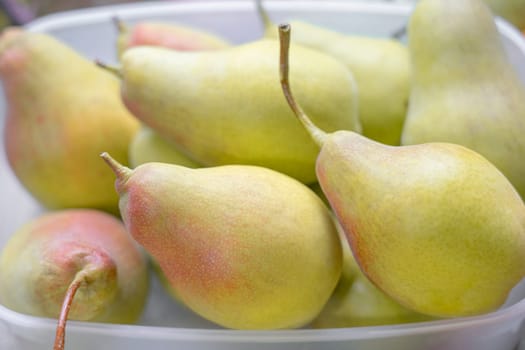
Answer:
[(317, 134), (60, 336), (112, 69)]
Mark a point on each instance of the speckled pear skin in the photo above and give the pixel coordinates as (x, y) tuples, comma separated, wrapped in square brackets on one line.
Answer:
[(62, 111), (358, 302), (226, 107), (381, 68), (243, 246), (435, 226), (167, 34), (43, 257), (147, 146), (464, 89)]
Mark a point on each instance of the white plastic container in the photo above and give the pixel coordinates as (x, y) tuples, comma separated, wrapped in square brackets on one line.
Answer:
[(168, 325)]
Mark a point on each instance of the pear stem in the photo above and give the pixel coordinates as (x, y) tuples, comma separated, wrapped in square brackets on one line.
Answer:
[(119, 24), (60, 337), (122, 172), (263, 14), (399, 33), (110, 68), (317, 134)]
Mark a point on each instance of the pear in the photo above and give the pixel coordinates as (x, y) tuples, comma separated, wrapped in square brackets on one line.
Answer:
[(511, 10), (147, 146), (166, 34), (435, 226), (62, 111), (79, 264), (464, 88), (381, 68), (243, 246), (225, 106), (357, 302)]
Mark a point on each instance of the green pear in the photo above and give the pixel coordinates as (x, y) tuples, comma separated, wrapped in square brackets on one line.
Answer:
[(147, 146), (243, 246), (225, 107), (435, 226), (79, 264), (62, 111), (464, 88), (511, 10), (381, 68), (357, 302), (167, 34)]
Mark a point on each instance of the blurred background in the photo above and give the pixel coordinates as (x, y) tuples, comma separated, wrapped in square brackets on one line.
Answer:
[(15, 12)]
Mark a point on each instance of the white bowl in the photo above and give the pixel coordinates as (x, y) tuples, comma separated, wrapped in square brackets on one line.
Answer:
[(168, 325)]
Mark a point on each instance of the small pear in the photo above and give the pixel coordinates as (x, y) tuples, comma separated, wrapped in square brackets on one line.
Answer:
[(225, 107), (243, 246), (435, 226), (62, 111), (167, 34), (381, 68), (464, 88), (148, 146), (79, 264)]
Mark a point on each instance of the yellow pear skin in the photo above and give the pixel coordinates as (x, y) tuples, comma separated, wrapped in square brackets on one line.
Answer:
[(226, 107), (357, 302), (435, 226), (381, 68), (147, 146), (464, 89), (243, 246), (62, 111), (166, 34)]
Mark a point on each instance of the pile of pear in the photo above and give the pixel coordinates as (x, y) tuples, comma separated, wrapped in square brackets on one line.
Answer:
[(387, 186)]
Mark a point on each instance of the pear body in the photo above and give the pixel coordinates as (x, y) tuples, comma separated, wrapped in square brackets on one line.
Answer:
[(62, 111), (226, 107), (243, 246), (42, 258), (435, 226), (381, 68), (167, 34), (464, 89), (357, 302), (147, 146)]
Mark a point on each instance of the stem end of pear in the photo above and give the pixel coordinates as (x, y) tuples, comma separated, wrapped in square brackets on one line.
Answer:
[(121, 172)]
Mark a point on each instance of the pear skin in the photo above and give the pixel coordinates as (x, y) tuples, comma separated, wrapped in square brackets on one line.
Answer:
[(381, 68), (464, 88), (435, 226), (62, 111), (77, 258), (357, 302), (225, 107), (148, 146), (166, 34), (243, 246)]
